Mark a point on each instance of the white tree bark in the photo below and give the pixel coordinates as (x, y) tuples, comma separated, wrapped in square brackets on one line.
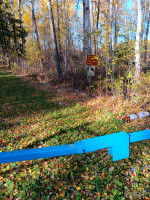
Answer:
[(34, 21), (137, 42)]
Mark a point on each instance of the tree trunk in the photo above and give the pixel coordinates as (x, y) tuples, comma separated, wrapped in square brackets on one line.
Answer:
[(98, 11), (53, 36), (14, 28), (143, 27), (110, 25), (97, 23), (34, 22), (65, 57), (87, 26), (146, 37), (8, 28), (92, 27), (58, 26), (137, 42), (114, 43), (21, 27), (116, 29), (6, 17), (84, 26), (36, 33)]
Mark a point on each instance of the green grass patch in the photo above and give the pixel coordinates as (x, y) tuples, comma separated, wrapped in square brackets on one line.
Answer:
[(30, 118)]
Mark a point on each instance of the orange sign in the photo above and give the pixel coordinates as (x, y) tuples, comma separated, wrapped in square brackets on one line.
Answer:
[(92, 60)]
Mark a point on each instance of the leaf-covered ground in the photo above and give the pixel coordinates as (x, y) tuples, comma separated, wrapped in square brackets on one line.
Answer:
[(32, 118)]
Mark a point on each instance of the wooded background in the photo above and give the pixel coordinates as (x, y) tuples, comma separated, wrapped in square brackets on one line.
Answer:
[(53, 37)]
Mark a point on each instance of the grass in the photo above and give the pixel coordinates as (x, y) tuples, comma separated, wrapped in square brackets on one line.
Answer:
[(31, 118)]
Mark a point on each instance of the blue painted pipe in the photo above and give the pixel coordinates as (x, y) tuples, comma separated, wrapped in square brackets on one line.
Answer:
[(118, 144), (139, 136)]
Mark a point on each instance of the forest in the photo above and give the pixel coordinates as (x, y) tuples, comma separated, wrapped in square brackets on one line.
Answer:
[(51, 94), (53, 38)]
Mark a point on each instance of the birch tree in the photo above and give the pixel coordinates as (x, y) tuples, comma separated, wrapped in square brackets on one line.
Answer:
[(34, 22), (137, 42)]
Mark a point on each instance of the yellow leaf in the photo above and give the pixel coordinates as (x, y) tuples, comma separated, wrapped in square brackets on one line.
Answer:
[(78, 188), (62, 194), (68, 166)]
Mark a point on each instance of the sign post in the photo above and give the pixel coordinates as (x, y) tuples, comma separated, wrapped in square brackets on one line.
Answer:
[(92, 61)]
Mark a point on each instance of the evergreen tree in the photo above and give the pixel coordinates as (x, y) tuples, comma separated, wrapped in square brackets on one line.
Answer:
[(10, 31)]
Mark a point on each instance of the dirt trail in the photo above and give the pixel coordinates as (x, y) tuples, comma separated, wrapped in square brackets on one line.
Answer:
[(63, 95)]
